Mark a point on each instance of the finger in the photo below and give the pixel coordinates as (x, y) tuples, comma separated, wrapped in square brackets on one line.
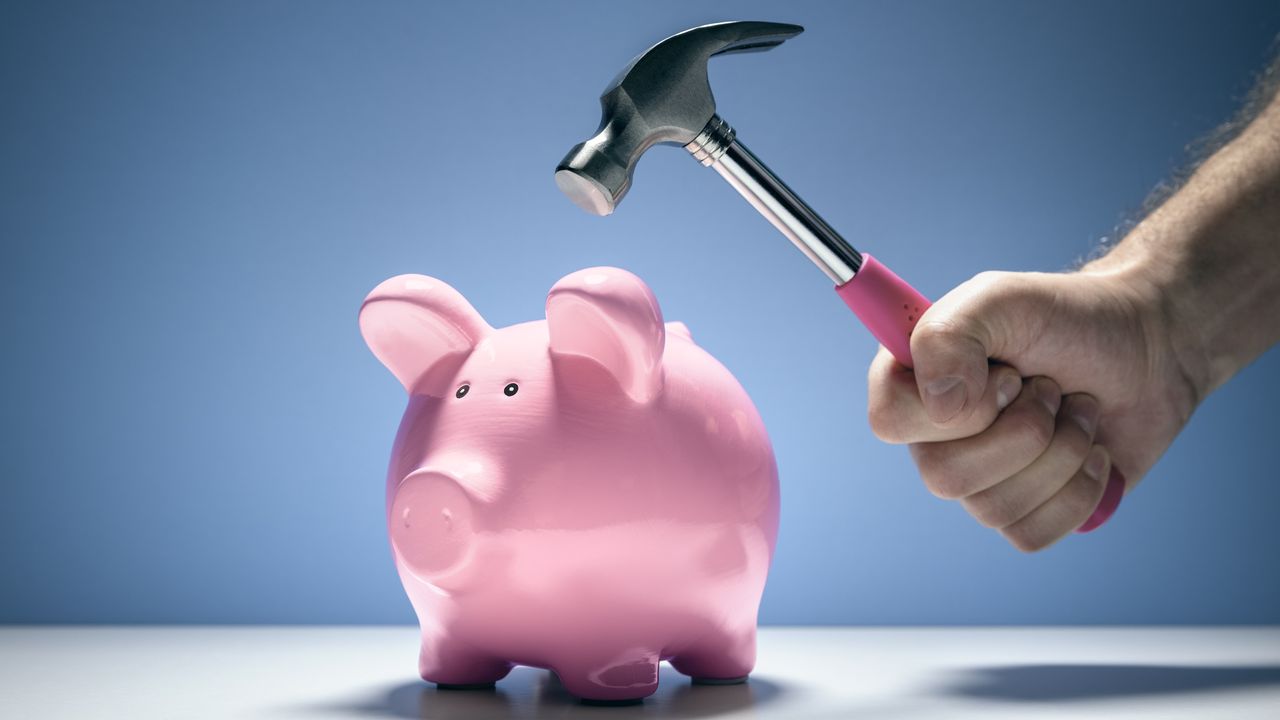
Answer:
[(897, 413), (985, 317), (960, 468), (1066, 510), (1009, 501)]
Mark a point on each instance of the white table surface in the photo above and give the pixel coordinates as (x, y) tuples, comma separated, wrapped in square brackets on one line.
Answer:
[(352, 672)]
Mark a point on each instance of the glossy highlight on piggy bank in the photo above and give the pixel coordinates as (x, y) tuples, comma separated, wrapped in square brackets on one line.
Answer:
[(591, 493)]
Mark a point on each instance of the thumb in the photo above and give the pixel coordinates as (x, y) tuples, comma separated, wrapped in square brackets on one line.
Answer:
[(951, 346)]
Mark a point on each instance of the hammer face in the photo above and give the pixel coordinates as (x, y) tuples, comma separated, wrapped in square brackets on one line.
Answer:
[(585, 192), (590, 175)]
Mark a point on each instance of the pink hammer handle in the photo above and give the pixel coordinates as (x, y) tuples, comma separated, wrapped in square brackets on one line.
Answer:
[(890, 308)]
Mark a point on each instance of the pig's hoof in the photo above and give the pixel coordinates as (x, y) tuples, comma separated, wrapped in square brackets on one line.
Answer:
[(612, 703), (466, 686), (719, 681), (623, 681)]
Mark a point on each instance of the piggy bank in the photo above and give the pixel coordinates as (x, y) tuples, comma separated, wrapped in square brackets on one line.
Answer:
[(591, 493)]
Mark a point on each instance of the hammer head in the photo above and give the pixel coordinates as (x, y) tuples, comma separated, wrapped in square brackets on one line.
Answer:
[(662, 97)]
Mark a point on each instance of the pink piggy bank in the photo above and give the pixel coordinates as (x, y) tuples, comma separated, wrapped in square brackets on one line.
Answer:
[(591, 493)]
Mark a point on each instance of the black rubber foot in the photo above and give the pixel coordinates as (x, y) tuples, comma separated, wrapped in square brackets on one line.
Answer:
[(612, 703), (466, 686), (719, 681)]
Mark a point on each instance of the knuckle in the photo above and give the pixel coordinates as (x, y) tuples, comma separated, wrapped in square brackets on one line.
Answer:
[(1026, 539), (992, 509), (880, 369), (938, 475), (881, 416), (942, 487), (987, 278), (992, 285), (1035, 426), (883, 427), (889, 413)]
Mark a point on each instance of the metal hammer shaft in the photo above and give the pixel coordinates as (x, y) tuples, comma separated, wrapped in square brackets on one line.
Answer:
[(717, 146)]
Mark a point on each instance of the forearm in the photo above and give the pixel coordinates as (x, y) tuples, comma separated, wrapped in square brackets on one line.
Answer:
[(1209, 257)]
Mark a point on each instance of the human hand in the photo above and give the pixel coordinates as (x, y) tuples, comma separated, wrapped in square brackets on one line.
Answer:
[(1027, 388)]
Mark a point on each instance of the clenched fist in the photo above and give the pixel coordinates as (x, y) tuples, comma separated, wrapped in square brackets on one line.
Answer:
[(1030, 390)]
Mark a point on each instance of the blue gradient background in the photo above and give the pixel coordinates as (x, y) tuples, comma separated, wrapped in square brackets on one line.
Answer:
[(195, 199)]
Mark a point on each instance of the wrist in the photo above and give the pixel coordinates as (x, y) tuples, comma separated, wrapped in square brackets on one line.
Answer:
[(1158, 286), (1209, 258)]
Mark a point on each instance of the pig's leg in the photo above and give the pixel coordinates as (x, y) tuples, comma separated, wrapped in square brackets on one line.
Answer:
[(718, 659), (626, 677), (453, 666)]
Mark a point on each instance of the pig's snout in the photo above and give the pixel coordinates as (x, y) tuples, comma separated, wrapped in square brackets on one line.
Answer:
[(430, 523)]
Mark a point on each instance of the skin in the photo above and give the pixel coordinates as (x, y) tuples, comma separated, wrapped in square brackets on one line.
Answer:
[(1028, 387)]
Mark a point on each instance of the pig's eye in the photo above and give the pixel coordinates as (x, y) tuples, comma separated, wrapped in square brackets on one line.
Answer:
[(462, 391), (511, 389)]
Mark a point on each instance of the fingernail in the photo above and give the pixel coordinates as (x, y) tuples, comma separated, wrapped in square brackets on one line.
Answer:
[(1049, 396), (1007, 390), (944, 397), (1084, 410), (1096, 462)]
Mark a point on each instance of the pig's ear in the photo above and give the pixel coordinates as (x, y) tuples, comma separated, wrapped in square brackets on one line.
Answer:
[(675, 328), (421, 329), (611, 317)]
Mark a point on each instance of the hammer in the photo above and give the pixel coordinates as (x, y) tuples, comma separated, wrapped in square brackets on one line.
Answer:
[(663, 96)]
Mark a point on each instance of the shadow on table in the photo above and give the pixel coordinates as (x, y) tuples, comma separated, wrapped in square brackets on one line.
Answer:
[(533, 693), (1050, 683)]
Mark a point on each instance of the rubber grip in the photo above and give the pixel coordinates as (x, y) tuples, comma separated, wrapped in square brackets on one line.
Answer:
[(1109, 503), (886, 304), (890, 308)]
